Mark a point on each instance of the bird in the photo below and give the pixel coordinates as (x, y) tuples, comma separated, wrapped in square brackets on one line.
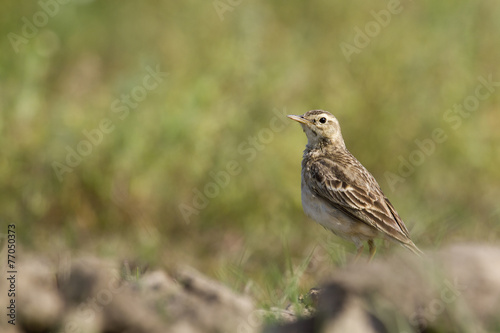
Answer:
[(339, 193)]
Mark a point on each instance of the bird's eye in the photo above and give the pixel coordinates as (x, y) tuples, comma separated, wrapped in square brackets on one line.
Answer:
[(322, 120)]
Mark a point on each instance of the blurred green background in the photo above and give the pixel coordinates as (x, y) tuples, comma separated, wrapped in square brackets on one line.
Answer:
[(233, 69)]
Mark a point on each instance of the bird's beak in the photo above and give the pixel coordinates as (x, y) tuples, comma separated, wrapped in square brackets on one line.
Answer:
[(300, 119)]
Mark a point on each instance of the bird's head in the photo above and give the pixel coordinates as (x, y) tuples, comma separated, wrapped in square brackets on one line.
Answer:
[(321, 128)]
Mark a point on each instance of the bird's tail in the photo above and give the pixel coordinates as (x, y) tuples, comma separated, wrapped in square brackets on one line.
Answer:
[(413, 248)]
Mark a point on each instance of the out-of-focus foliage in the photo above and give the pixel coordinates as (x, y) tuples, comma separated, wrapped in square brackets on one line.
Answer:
[(215, 123)]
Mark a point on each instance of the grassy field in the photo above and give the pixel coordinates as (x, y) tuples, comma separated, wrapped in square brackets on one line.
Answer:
[(156, 131)]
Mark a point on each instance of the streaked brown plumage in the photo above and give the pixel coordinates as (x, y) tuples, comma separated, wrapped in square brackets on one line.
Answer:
[(339, 193)]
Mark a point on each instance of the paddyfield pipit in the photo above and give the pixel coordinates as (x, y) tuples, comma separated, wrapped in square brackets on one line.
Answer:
[(339, 193)]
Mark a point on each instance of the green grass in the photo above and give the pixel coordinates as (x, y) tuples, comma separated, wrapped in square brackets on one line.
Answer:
[(224, 80)]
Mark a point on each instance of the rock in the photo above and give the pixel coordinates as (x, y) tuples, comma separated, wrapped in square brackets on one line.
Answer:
[(40, 306), (213, 306), (456, 289), (98, 299), (337, 310), (89, 295)]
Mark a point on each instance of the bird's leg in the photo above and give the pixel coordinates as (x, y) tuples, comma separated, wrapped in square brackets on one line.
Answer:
[(358, 253), (373, 249)]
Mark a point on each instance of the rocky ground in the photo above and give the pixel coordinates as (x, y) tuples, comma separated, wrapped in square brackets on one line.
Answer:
[(453, 290)]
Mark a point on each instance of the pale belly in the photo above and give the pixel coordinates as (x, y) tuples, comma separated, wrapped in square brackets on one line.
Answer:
[(335, 220)]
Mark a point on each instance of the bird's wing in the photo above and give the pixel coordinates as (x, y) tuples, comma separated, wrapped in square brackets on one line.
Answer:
[(356, 193)]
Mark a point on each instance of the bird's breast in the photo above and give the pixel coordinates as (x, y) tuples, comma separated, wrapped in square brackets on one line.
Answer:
[(332, 218)]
